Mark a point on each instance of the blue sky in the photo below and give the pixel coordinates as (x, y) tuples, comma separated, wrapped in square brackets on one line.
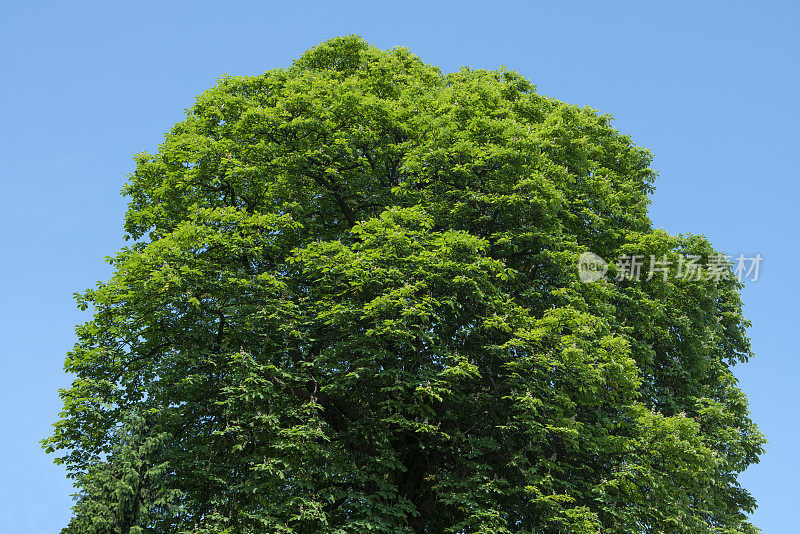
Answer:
[(710, 87)]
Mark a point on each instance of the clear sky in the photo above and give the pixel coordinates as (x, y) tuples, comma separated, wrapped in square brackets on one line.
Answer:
[(710, 87)]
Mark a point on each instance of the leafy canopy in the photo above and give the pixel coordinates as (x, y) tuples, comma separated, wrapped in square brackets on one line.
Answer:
[(350, 304)]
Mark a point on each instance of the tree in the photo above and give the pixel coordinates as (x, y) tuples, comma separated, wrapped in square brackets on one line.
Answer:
[(122, 492), (351, 304)]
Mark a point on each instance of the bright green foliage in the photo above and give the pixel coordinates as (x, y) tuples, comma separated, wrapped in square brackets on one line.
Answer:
[(351, 304)]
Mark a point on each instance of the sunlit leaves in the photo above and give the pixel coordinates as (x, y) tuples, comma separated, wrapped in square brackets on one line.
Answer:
[(350, 303)]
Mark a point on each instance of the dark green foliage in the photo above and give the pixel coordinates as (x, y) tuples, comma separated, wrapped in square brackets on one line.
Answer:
[(123, 493), (351, 304)]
